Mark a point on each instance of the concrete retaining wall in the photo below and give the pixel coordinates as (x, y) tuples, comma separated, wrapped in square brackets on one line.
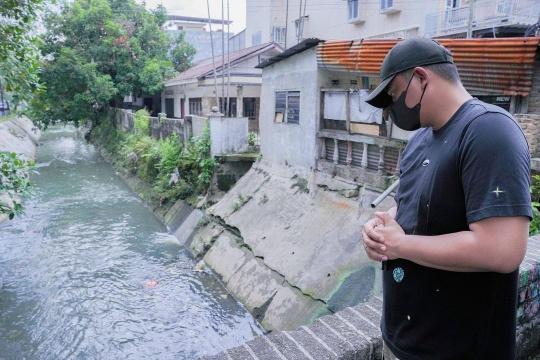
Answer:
[(353, 333), (286, 243)]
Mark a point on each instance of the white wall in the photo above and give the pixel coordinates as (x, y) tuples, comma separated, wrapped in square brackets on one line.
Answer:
[(228, 135), (261, 16), (294, 144), (329, 19)]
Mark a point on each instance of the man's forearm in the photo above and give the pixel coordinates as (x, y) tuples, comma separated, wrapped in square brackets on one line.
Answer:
[(460, 252)]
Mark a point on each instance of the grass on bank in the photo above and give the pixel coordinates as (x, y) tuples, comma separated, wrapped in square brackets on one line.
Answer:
[(173, 169)]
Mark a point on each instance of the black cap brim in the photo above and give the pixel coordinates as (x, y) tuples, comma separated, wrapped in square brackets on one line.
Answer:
[(379, 97)]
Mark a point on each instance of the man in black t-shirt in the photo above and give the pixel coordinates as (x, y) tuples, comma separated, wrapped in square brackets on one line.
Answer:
[(452, 247)]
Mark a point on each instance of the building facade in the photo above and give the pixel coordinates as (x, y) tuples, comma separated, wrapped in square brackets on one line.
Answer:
[(290, 22), (197, 34)]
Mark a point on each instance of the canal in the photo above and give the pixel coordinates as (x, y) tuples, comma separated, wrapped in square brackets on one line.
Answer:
[(89, 273)]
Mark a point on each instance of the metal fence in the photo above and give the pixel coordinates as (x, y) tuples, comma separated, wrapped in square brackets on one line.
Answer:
[(486, 14)]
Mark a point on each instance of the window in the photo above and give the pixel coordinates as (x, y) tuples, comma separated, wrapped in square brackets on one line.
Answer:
[(287, 107), (353, 9), (250, 107), (278, 34), (169, 107), (453, 4), (386, 4), (232, 106), (195, 106)]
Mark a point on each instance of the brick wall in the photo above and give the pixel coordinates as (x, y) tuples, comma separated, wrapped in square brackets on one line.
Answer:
[(530, 123)]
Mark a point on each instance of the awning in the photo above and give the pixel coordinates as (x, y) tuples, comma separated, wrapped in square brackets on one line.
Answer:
[(502, 66)]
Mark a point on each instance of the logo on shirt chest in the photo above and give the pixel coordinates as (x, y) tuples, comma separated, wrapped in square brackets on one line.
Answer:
[(497, 192)]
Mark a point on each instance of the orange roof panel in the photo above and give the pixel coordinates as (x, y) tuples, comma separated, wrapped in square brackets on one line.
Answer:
[(500, 66)]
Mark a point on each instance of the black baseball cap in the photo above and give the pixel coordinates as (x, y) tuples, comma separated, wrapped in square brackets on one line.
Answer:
[(405, 55)]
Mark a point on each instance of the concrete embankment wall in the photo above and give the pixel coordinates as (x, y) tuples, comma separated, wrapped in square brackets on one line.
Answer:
[(286, 243), (20, 136)]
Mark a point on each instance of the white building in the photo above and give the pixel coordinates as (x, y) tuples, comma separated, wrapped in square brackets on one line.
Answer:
[(288, 22), (197, 33)]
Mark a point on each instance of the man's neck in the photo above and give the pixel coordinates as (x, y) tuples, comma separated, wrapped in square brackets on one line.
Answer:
[(446, 105)]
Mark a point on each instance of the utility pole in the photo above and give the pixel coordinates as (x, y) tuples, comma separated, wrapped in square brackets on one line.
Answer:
[(299, 23), (286, 22), (212, 46), (229, 59), (471, 16), (223, 56)]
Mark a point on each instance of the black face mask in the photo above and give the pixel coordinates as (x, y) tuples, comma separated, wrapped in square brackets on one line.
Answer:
[(403, 117)]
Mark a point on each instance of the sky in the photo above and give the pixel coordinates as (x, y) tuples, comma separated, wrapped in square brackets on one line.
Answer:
[(198, 8)]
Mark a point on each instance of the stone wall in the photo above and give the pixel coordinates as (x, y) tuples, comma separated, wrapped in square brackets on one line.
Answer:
[(533, 100), (530, 123), (353, 333), (160, 128)]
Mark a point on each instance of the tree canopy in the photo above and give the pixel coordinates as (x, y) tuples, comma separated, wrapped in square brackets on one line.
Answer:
[(19, 55), (98, 51)]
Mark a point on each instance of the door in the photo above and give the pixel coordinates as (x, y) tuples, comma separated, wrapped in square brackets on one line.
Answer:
[(169, 107)]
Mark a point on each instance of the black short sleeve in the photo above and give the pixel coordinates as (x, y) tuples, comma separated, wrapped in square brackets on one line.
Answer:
[(495, 168)]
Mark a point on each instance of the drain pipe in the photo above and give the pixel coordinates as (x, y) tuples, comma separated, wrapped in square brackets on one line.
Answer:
[(383, 196)]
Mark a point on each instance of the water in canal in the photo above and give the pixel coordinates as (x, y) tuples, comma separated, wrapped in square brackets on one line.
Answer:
[(89, 273)]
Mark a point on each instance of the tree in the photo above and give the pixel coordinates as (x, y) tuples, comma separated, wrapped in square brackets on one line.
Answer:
[(182, 53), (117, 44), (19, 55), (76, 90)]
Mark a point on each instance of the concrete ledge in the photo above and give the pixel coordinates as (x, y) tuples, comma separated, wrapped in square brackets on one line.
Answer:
[(353, 333)]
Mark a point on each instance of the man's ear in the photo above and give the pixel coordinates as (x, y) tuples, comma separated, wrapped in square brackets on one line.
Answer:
[(422, 75)]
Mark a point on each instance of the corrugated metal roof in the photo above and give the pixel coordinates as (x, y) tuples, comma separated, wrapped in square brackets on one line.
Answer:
[(298, 48), (500, 66)]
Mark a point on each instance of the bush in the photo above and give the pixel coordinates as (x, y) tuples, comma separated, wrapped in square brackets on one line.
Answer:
[(174, 171), (14, 182), (142, 122), (535, 195)]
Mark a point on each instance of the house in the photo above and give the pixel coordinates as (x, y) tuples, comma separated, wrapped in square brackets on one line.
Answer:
[(193, 92), (313, 114)]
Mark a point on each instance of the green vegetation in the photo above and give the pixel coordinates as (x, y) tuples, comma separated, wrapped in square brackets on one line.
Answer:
[(535, 194), (252, 138), (14, 183), (173, 169), (98, 51), (19, 55)]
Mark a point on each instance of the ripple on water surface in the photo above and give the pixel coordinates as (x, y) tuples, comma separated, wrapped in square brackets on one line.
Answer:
[(89, 273)]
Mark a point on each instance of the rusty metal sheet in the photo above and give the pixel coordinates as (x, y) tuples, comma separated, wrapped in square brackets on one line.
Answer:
[(499, 66)]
